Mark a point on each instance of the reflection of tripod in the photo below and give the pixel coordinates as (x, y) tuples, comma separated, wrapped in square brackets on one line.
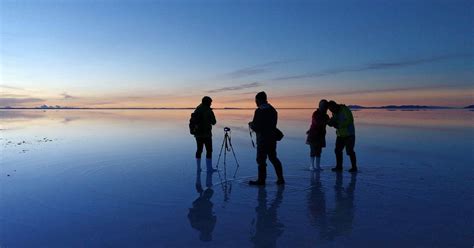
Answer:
[(227, 147)]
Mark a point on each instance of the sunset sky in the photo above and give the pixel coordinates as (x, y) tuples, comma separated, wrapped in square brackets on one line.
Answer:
[(84, 53)]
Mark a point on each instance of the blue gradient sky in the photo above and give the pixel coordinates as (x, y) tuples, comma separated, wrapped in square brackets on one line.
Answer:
[(171, 53)]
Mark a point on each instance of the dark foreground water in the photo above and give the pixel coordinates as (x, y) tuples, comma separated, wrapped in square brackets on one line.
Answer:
[(128, 179)]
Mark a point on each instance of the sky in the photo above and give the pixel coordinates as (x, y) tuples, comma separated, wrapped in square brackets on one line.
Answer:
[(84, 53)]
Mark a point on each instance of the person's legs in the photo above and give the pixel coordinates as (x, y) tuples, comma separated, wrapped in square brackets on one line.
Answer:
[(338, 151), (312, 155), (208, 144), (262, 166), (318, 150), (350, 143), (272, 156), (200, 146)]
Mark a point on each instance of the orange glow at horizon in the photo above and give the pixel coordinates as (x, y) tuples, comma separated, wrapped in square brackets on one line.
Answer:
[(441, 97)]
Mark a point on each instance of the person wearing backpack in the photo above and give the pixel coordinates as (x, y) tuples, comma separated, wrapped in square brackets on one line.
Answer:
[(264, 124), (200, 125)]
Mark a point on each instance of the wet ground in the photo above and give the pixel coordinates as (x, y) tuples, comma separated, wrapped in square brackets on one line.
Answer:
[(83, 178)]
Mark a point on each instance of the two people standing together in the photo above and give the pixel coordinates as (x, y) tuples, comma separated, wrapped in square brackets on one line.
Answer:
[(343, 121), (264, 124)]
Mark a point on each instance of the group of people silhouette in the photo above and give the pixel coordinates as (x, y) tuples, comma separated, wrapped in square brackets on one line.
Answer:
[(264, 124)]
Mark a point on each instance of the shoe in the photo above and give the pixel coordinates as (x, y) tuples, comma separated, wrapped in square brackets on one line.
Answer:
[(256, 182), (353, 169), (280, 182), (337, 169)]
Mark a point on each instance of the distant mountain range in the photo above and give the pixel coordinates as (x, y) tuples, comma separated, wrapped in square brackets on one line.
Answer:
[(388, 107), (402, 107)]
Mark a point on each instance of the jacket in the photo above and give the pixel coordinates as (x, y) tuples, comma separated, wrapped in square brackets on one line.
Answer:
[(264, 123), (205, 119), (317, 130), (344, 122)]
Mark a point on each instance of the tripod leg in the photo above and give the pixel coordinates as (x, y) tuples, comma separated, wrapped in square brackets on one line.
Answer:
[(235, 157), (225, 166), (220, 153)]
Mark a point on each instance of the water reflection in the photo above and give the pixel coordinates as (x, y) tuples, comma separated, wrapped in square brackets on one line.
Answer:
[(267, 225), (342, 216), (201, 215), (317, 204)]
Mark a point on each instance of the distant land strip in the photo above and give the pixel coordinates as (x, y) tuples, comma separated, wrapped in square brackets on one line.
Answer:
[(355, 107)]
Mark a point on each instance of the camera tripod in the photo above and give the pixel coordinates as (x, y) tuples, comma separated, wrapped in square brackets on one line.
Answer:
[(226, 147)]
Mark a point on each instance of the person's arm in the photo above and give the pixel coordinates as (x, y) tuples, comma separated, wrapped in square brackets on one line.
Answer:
[(333, 121), (213, 118), (256, 123)]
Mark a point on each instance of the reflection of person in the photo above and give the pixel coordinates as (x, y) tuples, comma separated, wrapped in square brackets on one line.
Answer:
[(267, 226), (317, 204), (343, 121), (264, 124), (201, 216), (201, 124), (317, 134), (342, 217)]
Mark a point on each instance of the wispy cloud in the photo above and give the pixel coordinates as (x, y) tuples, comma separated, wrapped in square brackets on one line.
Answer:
[(10, 87), (66, 96), (376, 66), (7, 101), (235, 88), (255, 69)]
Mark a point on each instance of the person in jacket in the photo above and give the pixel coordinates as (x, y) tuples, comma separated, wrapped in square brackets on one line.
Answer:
[(264, 124), (202, 120), (316, 138), (343, 121)]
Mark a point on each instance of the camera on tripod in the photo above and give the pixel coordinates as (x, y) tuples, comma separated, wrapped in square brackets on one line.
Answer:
[(226, 147)]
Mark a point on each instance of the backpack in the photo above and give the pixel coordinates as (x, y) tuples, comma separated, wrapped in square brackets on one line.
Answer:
[(193, 124)]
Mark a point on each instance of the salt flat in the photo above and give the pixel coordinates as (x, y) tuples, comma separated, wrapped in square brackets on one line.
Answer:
[(128, 178)]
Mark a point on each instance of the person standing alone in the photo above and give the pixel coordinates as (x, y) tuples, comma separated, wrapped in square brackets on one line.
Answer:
[(264, 124), (200, 125)]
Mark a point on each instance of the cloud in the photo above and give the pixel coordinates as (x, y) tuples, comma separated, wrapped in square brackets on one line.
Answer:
[(67, 96), (10, 87), (256, 69), (376, 66), (235, 88), (6, 101)]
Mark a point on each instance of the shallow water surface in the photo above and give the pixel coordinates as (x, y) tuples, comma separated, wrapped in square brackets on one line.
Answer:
[(128, 178)]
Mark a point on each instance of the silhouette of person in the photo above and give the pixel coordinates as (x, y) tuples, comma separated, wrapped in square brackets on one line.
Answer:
[(201, 216), (202, 120), (267, 226), (317, 204), (316, 138), (342, 217), (264, 124), (343, 121)]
